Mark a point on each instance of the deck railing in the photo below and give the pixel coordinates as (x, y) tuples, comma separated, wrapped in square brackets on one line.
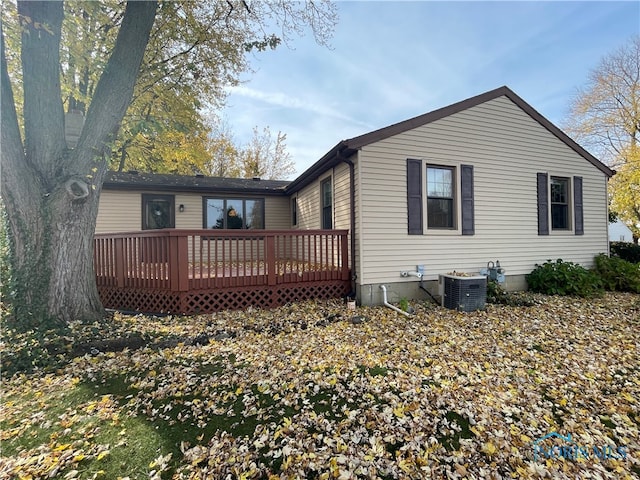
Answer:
[(188, 260)]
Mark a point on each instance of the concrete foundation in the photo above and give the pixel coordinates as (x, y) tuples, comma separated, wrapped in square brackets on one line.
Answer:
[(371, 294)]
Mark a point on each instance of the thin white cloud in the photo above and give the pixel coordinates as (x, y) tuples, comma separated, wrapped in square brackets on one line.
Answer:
[(287, 101), (393, 60)]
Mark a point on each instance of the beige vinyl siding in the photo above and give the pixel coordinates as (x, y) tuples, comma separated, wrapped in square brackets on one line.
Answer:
[(309, 206), (507, 148), (309, 201), (342, 201), (277, 212), (121, 211), (341, 198)]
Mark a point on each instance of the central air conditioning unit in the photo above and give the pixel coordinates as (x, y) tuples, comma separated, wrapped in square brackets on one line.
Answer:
[(465, 294)]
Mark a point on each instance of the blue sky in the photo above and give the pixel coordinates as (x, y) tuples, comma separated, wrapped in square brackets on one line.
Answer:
[(391, 61)]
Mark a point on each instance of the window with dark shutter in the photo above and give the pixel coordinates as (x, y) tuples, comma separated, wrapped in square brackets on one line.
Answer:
[(414, 196), (543, 204), (578, 211), (466, 186)]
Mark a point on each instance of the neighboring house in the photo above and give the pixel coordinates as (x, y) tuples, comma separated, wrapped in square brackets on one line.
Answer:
[(485, 179), (619, 232)]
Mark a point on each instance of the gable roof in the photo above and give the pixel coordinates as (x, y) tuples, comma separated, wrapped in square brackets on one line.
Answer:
[(346, 148), (192, 183)]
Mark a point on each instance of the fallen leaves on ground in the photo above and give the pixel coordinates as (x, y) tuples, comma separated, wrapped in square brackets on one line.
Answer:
[(303, 392)]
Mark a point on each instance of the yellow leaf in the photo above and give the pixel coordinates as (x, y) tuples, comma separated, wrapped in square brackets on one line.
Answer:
[(61, 447), (239, 390), (79, 457), (563, 402), (102, 454), (489, 448), (628, 397)]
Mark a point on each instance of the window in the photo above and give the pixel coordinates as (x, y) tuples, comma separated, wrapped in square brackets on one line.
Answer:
[(234, 213), (158, 211), (449, 203), (440, 197), (559, 203), (326, 202), (294, 211)]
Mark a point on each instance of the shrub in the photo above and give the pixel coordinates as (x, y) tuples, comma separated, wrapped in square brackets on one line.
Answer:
[(626, 251), (499, 296), (564, 278), (618, 274)]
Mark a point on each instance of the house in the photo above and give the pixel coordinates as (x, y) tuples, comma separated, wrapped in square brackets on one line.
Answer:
[(484, 179), (619, 232)]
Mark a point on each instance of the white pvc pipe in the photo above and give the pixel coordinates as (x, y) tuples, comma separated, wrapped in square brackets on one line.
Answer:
[(387, 304)]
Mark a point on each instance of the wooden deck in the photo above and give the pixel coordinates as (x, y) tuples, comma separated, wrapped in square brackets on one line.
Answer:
[(199, 271)]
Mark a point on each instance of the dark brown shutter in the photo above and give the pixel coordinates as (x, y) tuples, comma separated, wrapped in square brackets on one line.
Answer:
[(578, 212), (543, 204), (414, 196), (466, 185)]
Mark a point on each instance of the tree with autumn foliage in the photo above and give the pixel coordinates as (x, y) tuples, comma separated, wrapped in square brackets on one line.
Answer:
[(266, 156), (605, 118), (263, 156), (51, 188)]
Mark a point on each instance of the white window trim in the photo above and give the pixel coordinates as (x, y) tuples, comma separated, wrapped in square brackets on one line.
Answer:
[(328, 178), (571, 230), (457, 200)]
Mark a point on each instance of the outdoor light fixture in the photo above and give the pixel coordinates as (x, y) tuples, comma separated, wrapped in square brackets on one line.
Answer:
[(181, 208)]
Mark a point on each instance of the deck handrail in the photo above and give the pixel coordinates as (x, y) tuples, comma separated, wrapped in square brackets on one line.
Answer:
[(184, 259), (208, 232)]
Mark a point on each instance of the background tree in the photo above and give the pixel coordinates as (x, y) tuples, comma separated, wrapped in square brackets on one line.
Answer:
[(224, 160), (51, 190), (267, 157), (605, 118), (195, 50)]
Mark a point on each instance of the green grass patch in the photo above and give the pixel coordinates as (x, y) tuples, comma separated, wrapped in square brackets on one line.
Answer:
[(451, 442)]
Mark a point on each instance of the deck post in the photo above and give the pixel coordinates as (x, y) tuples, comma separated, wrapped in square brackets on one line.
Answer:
[(119, 263), (178, 263), (270, 258), (344, 256)]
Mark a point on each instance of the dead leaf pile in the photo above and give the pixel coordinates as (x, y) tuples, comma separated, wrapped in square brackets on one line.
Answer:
[(302, 392)]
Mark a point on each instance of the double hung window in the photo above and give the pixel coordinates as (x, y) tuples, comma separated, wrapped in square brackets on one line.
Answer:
[(440, 197), (326, 194), (559, 203)]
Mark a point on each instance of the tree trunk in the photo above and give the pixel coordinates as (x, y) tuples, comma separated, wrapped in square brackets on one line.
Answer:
[(51, 192), (53, 274)]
